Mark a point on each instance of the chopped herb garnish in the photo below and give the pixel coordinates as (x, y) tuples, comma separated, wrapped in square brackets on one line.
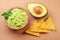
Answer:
[(6, 15)]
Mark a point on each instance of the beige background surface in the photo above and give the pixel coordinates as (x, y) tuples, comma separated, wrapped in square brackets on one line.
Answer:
[(53, 11)]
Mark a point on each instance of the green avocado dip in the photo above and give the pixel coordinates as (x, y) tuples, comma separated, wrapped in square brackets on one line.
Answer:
[(18, 18)]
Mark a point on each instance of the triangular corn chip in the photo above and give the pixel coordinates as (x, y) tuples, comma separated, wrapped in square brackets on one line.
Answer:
[(49, 24), (32, 33), (41, 27), (28, 31)]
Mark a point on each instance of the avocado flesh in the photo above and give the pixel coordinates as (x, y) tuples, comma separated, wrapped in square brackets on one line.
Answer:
[(32, 5)]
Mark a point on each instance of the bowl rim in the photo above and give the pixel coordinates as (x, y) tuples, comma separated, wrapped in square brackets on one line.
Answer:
[(22, 26)]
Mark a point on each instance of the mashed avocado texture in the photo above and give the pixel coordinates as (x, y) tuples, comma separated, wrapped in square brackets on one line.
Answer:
[(18, 18)]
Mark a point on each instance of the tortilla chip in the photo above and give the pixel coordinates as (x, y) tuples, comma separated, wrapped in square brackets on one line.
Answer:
[(49, 24), (32, 33), (28, 31), (41, 27)]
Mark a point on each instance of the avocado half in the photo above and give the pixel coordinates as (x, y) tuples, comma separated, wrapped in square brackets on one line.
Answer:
[(36, 11)]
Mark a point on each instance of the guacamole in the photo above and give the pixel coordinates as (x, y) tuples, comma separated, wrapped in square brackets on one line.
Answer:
[(18, 18)]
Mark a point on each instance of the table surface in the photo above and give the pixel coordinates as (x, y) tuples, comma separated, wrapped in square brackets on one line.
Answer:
[(53, 11)]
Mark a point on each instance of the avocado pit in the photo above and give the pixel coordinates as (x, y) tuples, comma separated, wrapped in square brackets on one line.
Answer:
[(37, 9)]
